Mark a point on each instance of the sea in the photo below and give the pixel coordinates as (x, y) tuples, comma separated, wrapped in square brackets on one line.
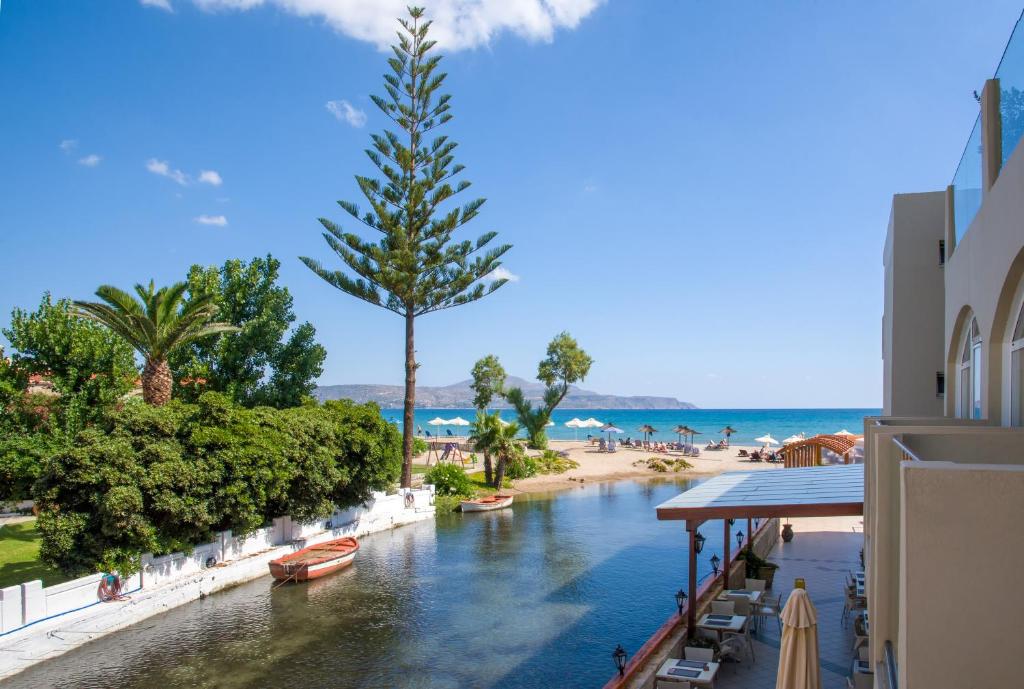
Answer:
[(748, 423)]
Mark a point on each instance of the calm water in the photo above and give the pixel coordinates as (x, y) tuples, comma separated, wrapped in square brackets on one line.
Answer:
[(749, 423), (534, 596)]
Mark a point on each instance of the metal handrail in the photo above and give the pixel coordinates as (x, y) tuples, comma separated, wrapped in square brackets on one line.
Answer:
[(889, 663), (906, 450)]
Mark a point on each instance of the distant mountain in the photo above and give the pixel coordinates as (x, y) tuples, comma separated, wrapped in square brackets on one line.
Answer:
[(460, 396)]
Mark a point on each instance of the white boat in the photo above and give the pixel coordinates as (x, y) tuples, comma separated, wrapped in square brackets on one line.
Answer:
[(491, 502)]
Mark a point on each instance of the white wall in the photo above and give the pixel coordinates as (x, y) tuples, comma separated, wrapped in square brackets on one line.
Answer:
[(30, 602)]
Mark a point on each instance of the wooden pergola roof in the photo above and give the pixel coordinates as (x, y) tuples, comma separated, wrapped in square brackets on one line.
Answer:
[(840, 444), (825, 491)]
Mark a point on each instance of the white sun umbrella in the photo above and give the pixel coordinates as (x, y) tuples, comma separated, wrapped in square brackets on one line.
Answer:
[(574, 424), (609, 429), (550, 423), (766, 439), (794, 439), (591, 423), (437, 421), (844, 432), (458, 421)]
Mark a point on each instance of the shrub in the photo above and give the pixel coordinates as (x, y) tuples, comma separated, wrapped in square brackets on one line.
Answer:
[(449, 480), (662, 465), (419, 446), (520, 466), (550, 462), (161, 479)]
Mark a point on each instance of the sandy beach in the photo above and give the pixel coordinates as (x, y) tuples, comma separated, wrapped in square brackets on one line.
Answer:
[(609, 466)]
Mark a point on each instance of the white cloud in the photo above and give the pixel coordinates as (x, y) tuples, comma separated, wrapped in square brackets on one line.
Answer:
[(68, 145), (161, 4), (501, 273), (343, 110), (162, 168), (210, 177), (91, 160), (217, 220), (458, 24)]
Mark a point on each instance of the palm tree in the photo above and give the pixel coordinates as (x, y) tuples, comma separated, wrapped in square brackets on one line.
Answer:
[(490, 435), (155, 324)]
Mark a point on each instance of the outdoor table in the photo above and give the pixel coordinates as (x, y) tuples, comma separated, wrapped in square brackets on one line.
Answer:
[(722, 623), (753, 596), (691, 671)]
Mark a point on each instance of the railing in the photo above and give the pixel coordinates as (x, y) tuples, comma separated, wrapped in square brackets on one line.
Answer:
[(967, 183), (1011, 91), (908, 454)]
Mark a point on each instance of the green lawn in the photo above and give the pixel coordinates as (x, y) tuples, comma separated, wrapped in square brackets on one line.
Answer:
[(19, 556)]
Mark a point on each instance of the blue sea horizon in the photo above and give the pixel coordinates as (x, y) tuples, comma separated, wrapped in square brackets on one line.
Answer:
[(749, 423)]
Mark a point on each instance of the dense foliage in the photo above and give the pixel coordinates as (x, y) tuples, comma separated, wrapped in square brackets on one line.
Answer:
[(566, 363), (412, 265), (488, 433), (263, 363), (449, 479), (160, 479)]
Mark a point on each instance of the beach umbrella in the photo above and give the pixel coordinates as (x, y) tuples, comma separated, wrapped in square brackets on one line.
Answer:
[(681, 430), (609, 429), (574, 424), (437, 421), (550, 423), (798, 652), (591, 423), (458, 421), (794, 439), (647, 430), (845, 432), (766, 440), (693, 433), (727, 432)]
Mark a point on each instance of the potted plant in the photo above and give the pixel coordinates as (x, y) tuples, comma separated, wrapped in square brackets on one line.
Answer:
[(701, 642), (759, 568), (787, 532)]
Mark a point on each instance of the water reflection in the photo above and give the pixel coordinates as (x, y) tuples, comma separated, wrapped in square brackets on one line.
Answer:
[(535, 596)]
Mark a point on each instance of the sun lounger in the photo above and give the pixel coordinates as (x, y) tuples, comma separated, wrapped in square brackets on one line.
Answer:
[(743, 453)]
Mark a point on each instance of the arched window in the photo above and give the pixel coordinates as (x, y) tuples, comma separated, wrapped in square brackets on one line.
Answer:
[(969, 401), (1017, 372)]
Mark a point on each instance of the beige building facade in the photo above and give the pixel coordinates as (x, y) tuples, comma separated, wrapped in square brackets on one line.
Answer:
[(944, 466)]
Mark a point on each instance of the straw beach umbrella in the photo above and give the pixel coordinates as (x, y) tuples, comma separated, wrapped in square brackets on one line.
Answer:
[(609, 429), (798, 653), (727, 432), (647, 429), (680, 431)]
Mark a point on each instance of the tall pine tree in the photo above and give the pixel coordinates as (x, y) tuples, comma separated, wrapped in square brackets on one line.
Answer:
[(415, 266)]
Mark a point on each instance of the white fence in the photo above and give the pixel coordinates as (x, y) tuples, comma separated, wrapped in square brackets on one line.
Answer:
[(30, 602)]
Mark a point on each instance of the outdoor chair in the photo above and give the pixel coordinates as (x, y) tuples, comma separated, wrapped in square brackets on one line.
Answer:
[(741, 604), (602, 446), (860, 680), (744, 636), (768, 607), (671, 684), (695, 653), (449, 432), (743, 453), (755, 584), (853, 604), (723, 607), (730, 650)]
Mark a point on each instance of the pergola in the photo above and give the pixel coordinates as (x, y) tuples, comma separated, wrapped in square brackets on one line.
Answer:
[(827, 491), (807, 453)]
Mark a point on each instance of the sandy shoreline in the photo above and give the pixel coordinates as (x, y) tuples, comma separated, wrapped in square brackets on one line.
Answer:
[(605, 466)]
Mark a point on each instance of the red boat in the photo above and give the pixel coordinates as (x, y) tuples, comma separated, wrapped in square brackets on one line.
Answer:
[(315, 561)]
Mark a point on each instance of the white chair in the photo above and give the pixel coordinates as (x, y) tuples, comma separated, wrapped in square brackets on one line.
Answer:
[(741, 604), (723, 607), (755, 584), (731, 649), (744, 636), (696, 653), (768, 607)]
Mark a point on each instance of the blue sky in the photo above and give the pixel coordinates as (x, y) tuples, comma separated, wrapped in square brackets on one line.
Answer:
[(697, 191)]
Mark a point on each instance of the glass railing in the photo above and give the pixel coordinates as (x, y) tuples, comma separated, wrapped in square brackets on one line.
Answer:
[(967, 183), (1011, 91)]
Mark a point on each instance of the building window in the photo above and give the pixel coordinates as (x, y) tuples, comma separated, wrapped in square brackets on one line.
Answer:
[(940, 384), (942, 252), (969, 403), (1017, 372)]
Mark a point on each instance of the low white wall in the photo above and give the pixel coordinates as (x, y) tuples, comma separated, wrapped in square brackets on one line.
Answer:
[(30, 602)]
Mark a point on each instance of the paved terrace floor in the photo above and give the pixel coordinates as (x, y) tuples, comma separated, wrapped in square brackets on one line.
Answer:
[(822, 552)]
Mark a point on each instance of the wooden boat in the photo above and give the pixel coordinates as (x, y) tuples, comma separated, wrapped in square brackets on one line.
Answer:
[(491, 502), (315, 561)]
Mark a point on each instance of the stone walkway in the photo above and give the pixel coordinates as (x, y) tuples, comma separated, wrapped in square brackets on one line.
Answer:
[(822, 552)]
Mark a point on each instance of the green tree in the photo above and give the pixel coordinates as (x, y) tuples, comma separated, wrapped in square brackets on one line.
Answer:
[(262, 363), (89, 366), (488, 383), (566, 363), (154, 325), (415, 267), (489, 434)]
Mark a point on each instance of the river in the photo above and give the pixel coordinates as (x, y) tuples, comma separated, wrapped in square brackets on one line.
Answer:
[(534, 596)]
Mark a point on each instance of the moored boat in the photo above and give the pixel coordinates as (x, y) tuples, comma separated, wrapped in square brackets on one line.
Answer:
[(491, 502), (315, 561)]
